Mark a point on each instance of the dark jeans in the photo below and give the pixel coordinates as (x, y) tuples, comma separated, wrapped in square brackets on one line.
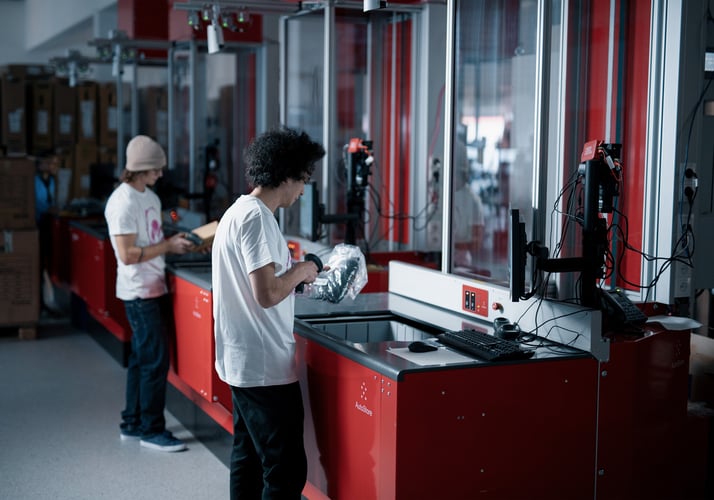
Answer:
[(268, 459), (148, 365)]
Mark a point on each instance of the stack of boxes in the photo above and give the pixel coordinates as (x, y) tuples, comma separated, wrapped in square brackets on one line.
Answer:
[(96, 140), (41, 114), (19, 244)]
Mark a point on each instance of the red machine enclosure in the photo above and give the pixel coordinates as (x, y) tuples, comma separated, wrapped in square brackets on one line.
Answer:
[(463, 432), (195, 343)]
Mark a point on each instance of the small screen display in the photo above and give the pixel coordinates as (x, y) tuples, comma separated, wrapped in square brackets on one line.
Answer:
[(709, 63), (308, 212)]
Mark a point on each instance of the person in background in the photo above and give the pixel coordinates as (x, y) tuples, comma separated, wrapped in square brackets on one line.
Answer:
[(133, 214), (467, 212), (254, 280), (46, 168)]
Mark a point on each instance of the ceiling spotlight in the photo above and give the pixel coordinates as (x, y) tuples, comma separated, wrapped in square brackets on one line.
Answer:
[(373, 5), (105, 52), (243, 17), (193, 20), (228, 21), (214, 34), (207, 13)]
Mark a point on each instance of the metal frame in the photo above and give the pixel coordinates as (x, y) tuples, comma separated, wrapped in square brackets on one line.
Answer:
[(118, 42), (661, 143)]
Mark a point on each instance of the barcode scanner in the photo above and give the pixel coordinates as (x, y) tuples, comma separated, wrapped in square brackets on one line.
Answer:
[(312, 258), (504, 329)]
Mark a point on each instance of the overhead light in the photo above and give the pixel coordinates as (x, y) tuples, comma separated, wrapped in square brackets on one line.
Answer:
[(215, 38), (373, 5), (74, 65), (228, 21), (243, 17), (193, 20), (214, 31), (105, 52), (207, 13)]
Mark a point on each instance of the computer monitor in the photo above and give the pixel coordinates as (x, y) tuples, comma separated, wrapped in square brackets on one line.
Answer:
[(517, 256), (310, 212)]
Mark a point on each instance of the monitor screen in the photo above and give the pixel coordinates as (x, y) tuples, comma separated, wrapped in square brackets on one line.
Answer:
[(518, 256), (310, 212)]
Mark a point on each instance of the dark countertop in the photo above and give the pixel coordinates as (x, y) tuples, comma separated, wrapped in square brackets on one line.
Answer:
[(387, 357), (96, 228), (193, 269)]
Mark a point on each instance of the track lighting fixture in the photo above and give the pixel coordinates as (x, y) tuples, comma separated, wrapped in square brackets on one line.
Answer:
[(74, 66), (193, 20), (228, 21)]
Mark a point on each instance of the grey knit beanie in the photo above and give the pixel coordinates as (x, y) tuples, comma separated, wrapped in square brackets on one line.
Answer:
[(144, 153)]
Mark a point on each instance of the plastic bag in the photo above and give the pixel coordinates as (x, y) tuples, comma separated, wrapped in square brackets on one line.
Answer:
[(346, 276)]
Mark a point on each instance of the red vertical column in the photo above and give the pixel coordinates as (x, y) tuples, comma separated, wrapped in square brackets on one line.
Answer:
[(396, 158), (629, 70)]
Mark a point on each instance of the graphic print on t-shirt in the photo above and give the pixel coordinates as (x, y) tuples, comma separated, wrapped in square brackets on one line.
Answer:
[(153, 225)]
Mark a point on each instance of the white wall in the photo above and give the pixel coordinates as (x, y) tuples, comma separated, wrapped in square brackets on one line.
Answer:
[(34, 31), (48, 20)]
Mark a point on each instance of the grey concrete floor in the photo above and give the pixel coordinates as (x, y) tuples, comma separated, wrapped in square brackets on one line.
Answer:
[(60, 401)]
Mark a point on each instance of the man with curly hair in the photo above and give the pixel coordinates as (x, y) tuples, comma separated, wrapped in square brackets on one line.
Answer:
[(254, 280)]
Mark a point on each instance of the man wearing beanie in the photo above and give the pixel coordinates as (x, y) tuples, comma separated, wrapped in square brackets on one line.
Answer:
[(133, 214)]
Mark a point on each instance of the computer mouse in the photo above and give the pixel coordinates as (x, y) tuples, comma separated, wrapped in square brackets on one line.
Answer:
[(419, 346)]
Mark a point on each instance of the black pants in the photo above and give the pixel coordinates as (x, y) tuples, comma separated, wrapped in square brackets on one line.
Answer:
[(268, 458)]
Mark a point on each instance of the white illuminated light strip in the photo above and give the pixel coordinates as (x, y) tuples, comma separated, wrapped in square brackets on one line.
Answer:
[(610, 63)]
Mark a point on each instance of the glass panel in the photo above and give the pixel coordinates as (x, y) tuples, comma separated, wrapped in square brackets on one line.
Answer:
[(304, 47), (225, 117), (372, 73), (152, 83), (495, 88), (304, 76)]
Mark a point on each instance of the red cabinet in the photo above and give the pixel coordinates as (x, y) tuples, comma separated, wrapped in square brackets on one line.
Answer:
[(93, 278), (494, 431), (195, 344)]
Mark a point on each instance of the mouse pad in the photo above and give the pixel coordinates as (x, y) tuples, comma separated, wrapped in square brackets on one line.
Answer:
[(441, 356)]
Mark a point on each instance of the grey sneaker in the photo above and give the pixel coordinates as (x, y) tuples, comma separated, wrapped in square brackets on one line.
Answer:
[(129, 433), (163, 442)]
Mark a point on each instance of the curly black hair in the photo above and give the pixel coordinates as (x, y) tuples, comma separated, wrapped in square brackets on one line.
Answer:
[(281, 154)]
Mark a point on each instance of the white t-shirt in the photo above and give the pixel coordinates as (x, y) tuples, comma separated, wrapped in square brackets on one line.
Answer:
[(467, 212), (129, 211), (255, 346)]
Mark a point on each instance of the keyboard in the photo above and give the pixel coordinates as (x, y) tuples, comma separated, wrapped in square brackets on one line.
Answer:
[(484, 346)]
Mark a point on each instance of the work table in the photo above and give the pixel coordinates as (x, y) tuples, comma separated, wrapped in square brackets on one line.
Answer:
[(395, 322)]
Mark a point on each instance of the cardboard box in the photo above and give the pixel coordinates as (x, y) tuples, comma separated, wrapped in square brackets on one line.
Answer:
[(40, 100), (157, 114), (108, 115), (19, 277), (13, 130), (17, 193), (87, 113), (202, 236), (64, 119), (27, 71), (108, 156), (85, 155)]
